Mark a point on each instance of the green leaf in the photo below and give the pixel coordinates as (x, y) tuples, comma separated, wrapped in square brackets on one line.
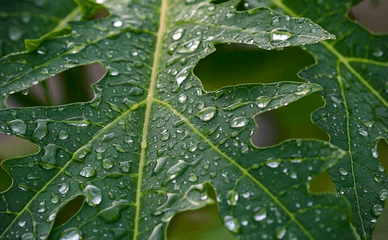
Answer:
[(152, 142), (20, 20), (352, 71)]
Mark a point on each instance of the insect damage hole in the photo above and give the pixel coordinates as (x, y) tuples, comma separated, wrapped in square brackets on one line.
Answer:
[(204, 224), (372, 14), (70, 86), (233, 64), (13, 147), (69, 210)]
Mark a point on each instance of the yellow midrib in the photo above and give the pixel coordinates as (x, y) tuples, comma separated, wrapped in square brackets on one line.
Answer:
[(149, 102)]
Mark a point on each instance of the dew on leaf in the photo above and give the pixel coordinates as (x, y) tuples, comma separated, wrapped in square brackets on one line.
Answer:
[(273, 164), (239, 122), (343, 171), (117, 23), (93, 195), (125, 166), (176, 170), (207, 114), (189, 47), (182, 75), (157, 233), (383, 194), (87, 172), (303, 89), (48, 161), (54, 199), (280, 34), (182, 98), (193, 177), (160, 163), (18, 126), (178, 34), (71, 234), (262, 102), (63, 135), (112, 213), (165, 136), (232, 198), (22, 223), (281, 233), (260, 215), (27, 236)]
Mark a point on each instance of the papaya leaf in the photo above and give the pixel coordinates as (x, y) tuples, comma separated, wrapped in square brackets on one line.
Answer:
[(152, 143), (352, 71)]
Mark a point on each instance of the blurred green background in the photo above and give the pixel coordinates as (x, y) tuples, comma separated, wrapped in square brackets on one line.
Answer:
[(229, 65)]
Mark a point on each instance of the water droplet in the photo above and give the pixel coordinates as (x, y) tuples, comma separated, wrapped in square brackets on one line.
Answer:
[(63, 135), (343, 171), (193, 177), (232, 198), (108, 137), (178, 34), (48, 160), (262, 101), (231, 223), (303, 89), (71, 234), (26, 17), (280, 34), (378, 53), (176, 170), (25, 92), (157, 233), (239, 122), (107, 164), (112, 213), (125, 166), (114, 73), (18, 126), (362, 132), (273, 164), (182, 98), (87, 172), (375, 153), (93, 195), (207, 114), (27, 236), (63, 188), (182, 75), (40, 131), (383, 194), (377, 210), (260, 215), (54, 199), (189, 47), (165, 136), (15, 33), (118, 23), (281, 233), (160, 163), (22, 223)]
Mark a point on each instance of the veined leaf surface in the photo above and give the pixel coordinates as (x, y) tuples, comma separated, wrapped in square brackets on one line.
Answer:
[(352, 71), (152, 141)]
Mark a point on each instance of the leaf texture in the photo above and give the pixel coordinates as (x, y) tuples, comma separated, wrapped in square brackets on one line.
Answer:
[(152, 142), (352, 71)]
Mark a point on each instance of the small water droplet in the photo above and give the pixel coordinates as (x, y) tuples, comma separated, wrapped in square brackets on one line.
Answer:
[(15, 33), (93, 195), (260, 215), (232, 198), (182, 98), (176, 170), (54, 199), (22, 223), (281, 233), (125, 166), (27, 236), (118, 23), (165, 136), (206, 114), (383, 194), (343, 171), (190, 46), (40, 131), (18, 126), (87, 172), (178, 34), (107, 164), (362, 132), (303, 89), (273, 164), (193, 177), (25, 92), (378, 53), (114, 73), (280, 34), (63, 135), (239, 122), (262, 101), (182, 75)]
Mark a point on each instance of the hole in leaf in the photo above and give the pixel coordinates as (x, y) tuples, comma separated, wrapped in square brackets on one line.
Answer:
[(233, 64), (371, 14), (382, 150), (218, 1), (204, 224), (322, 184), (68, 210), (12, 147), (73, 85)]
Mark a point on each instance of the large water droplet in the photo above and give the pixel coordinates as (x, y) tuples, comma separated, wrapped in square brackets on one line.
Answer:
[(18, 126), (160, 163), (112, 213), (87, 172), (182, 75), (117, 23), (182, 98), (49, 160), (207, 114), (262, 101), (71, 234), (239, 122), (27, 236), (40, 131), (63, 135), (377, 210), (63, 188), (303, 89), (231, 223), (93, 195), (375, 153), (362, 132), (176, 170), (125, 166), (107, 164), (22, 223), (193, 177), (273, 164), (260, 215)]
